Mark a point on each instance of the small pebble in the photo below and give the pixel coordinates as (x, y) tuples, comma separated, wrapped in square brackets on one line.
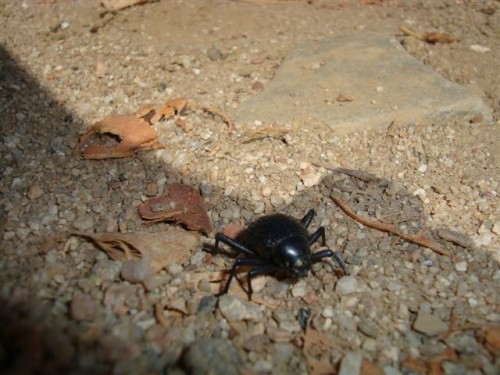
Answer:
[(212, 356), (137, 271), (34, 192), (351, 363), (461, 266), (421, 194), (214, 54), (84, 222), (234, 309), (479, 48), (83, 307), (455, 237), (311, 179), (299, 289), (429, 324), (346, 285)]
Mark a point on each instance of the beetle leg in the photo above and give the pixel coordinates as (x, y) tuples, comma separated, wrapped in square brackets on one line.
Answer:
[(265, 268), (329, 253), (243, 262), (319, 233), (306, 220), (233, 243)]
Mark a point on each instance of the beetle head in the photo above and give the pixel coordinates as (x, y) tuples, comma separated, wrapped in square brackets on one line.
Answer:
[(293, 256)]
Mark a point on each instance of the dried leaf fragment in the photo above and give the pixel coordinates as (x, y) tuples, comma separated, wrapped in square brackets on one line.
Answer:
[(182, 203), (174, 108), (431, 37), (435, 37), (162, 248), (313, 342), (492, 340), (134, 134)]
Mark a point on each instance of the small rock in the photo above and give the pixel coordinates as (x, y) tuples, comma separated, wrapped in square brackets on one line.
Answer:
[(461, 266), (34, 192), (234, 309), (429, 324), (212, 356), (346, 285), (107, 269), (479, 48), (174, 269), (299, 289), (214, 54), (421, 194), (207, 304), (457, 238), (82, 307), (343, 98), (311, 179), (198, 259), (286, 322), (368, 328), (83, 222), (137, 271), (496, 228), (422, 168), (483, 240), (351, 363), (257, 86)]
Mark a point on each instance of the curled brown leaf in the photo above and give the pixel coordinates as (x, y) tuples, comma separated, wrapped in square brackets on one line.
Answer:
[(182, 204)]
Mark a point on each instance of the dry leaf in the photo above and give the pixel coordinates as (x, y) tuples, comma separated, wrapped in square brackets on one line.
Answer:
[(173, 108), (234, 229), (370, 368), (492, 340), (182, 204), (266, 131), (163, 248), (436, 362), (435, 37), (134, 134), (415, 364), (431, 38), (316, 342)]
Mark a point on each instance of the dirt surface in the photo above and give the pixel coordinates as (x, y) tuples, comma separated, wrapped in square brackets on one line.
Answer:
[(66, 307)]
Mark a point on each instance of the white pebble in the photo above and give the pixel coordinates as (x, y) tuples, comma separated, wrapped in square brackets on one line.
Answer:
[(461, 267), (479, 48), (346, 285), (421, 194)]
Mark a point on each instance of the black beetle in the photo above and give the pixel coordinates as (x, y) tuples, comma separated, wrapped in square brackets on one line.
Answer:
[(277, 242)]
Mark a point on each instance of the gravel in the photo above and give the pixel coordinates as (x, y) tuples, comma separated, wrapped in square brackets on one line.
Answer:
[(68, 308)]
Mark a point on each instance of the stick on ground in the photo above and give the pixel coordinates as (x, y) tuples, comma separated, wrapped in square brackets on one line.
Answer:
[(418, 239)]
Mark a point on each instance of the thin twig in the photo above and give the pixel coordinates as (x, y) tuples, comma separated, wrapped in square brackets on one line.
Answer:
[(419, 239)]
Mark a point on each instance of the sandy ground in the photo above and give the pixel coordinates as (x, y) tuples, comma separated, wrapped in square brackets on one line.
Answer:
[(67, 307)]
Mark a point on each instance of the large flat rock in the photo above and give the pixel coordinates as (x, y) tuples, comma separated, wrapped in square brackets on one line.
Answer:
[(381, 80)]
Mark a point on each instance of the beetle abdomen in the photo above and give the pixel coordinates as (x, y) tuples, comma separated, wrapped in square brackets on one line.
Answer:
[(264, 234)]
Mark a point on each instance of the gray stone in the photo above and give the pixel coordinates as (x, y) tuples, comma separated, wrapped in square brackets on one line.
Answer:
[(351, 363), (385, 83), (429, 324), (346, 285), (234, 309), (84, 222), (137, 271), (212, 356), (455, 237), (82, 307)]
